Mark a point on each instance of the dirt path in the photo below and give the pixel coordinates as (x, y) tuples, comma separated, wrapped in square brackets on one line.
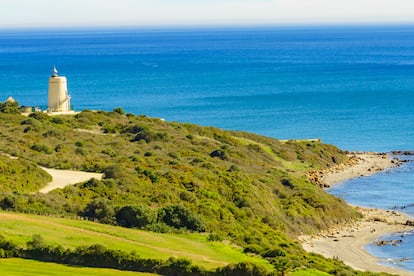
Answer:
[(63, 178)]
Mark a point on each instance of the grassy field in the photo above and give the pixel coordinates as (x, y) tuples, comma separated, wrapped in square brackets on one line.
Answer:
[(72, 233), (20, 267), (309, 272)]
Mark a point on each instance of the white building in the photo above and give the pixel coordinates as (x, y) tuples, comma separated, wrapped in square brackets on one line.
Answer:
[(58, 97)]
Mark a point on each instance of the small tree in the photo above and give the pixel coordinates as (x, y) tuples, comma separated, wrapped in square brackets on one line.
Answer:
[(220, 153), (114, 171), (119, 110), (282, 265), (99, 209), (11, 107), (37, 241), (135, 216), (179, 216), (8, 203)]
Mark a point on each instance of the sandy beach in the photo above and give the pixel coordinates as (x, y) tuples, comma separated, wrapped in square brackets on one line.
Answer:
[(358, 165), (346, 242)]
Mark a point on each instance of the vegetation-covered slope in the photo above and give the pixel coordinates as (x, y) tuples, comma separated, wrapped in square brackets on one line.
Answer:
[(21, 176), (166, 176)]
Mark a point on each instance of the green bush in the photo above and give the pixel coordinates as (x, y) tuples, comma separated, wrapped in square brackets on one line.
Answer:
[(99, 209), (222, 154), (42, 148), (253, 248), (242, 269), (37, 241), (82, 151), (135, 216), (9, 107), (114, 171), (178, 216), (149, 136), (57, 120), (119, 110), (8, 203), (151, 175), (109, 152), (40, 116)]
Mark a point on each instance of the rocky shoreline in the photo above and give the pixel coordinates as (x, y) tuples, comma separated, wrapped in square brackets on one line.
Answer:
[(346, 242), (358, 164)]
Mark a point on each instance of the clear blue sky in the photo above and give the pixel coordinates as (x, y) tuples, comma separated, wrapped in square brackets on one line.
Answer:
[(41, 13)]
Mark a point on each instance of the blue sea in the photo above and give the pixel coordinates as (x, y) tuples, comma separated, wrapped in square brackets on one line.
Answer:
[(352, 86)]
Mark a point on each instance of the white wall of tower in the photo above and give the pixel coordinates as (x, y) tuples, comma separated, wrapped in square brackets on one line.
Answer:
[(58, 97)]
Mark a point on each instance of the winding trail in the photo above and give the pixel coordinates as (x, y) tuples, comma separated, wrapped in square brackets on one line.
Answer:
[(63, 178)]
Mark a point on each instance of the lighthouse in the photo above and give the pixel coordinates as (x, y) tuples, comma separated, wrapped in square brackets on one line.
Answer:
[(58, 97)]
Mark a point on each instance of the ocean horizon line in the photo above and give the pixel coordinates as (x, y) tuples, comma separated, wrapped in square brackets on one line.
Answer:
[(221, 27)]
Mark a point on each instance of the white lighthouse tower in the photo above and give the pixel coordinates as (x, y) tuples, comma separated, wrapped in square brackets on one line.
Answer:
[(58, 97)]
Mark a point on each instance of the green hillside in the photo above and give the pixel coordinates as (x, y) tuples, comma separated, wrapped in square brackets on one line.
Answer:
[(22, 176), (167, 177)]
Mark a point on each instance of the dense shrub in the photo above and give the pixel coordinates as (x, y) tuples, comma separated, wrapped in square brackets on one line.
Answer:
[(10, 107), (222, 154), (178, 216), (37, 241), (135, 216), (242, 269), (40, 116), (57, 120), (8, 203), (253, 248), (134, 129), (35, 124), (8, 248), (99, 209), (151, 175), (119, 110), (111, 128), (148, 136), (81, 151), (42, 148), (287, 183), (114, 171), (109, 152)]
